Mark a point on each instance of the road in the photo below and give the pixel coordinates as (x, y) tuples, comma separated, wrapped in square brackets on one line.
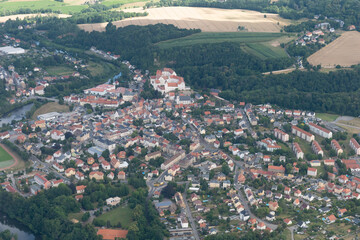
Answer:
[(47, 168), (292, 229), (189, 215), (152, 188)]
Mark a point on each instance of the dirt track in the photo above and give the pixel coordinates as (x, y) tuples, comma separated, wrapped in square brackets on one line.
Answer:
[(344, 51), (206, 19)]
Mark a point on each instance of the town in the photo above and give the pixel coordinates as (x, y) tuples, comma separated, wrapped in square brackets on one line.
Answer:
[(210, 166)]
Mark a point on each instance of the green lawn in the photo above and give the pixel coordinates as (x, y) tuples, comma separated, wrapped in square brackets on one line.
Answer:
[(116, 215), (327, 116), (4, 155), (252, 42), (59, 70)]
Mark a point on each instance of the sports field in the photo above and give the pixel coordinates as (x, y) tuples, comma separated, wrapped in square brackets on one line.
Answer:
[(260, 44), (206, 19), (6, 159)]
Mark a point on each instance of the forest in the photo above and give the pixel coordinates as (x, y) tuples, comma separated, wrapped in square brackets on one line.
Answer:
[(46, 214)]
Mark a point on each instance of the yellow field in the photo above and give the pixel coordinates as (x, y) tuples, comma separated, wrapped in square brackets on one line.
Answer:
[(206, 19), (344, 51)]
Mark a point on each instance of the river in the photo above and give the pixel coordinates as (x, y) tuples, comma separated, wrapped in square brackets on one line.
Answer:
[(15, 228), (16, 115)]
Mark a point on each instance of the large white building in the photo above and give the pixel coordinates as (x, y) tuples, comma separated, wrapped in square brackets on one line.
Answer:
[(323, 132), (317, 148), (166, 81), (281, 135), (297, 150), (302, 134), (355, 146), (100, 89)]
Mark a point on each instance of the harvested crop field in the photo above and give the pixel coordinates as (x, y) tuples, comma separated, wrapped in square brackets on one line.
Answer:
[(344, 51), (206, 19)]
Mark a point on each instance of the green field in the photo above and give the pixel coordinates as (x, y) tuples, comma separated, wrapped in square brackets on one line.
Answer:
[(254, 43), (40, 4), (63, 7), (327, 116), (116, 215)]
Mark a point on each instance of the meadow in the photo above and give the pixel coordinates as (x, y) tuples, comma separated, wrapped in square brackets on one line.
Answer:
[(258, 44)]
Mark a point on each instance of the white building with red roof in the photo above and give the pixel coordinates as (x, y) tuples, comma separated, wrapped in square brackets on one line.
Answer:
[(355, 146), (323, 132), (166, 81)]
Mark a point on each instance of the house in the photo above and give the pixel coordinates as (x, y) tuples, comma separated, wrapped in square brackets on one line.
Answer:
[(79, 175), (70, 172), (330, 219), (121, 175), (58, 167), (57, 135), (80, 189), (96, 175), (287, 221), (244, 215), (343, 179), (273, 206), (297, 193), (312, 172), (341, 212), (302, 224), (261, 226), (270, 216), (105, 165)]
